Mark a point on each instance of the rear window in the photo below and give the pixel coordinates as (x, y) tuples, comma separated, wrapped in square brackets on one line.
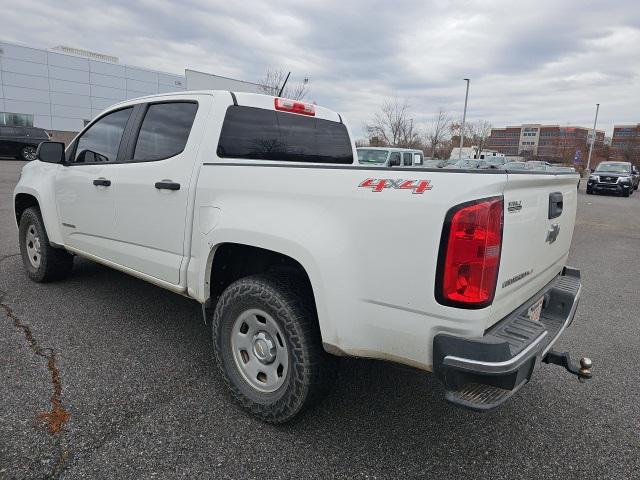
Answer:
[(259, 134)]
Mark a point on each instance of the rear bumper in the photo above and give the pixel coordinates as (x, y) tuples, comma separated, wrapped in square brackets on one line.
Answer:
[(483, 373)]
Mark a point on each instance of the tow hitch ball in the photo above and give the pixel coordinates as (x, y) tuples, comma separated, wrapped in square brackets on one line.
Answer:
[(583, 373)]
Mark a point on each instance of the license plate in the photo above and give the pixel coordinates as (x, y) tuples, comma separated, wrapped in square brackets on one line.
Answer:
[(534, 310)]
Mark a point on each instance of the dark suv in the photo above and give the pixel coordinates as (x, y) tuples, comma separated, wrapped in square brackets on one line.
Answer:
[(615, 177), (21, 142)]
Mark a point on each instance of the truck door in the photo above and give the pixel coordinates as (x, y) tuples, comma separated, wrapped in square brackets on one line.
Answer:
[(83, 188), (153, 186)]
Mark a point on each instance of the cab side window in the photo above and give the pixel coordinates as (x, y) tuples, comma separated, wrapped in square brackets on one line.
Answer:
[(406, 159), (165, 130), (101, 142), (394, 158)]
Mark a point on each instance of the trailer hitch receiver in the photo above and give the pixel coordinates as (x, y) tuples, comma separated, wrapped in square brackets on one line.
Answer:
[(564, 360)]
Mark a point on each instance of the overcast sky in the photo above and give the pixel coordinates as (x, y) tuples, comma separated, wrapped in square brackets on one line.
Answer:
[(538, 61)]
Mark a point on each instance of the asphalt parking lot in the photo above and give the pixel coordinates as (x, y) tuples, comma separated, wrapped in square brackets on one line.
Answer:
[(106, 376)]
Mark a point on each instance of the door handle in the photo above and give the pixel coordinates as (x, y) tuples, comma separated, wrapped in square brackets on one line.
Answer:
[(102, 182), (555, 205), (167, 185)]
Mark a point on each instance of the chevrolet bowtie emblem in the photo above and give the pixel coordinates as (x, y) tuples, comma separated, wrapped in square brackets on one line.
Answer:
[(553, 233)]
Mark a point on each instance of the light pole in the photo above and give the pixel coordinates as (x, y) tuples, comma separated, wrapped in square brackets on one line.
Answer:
[(464, 118), (411, 134), (593, 139)]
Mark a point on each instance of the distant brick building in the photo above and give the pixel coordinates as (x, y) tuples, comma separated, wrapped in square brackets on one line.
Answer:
[(625, 143), (546, 142), (505, 140)]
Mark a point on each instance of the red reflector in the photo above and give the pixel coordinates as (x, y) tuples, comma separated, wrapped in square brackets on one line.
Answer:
[(468, 275), (286, 105)]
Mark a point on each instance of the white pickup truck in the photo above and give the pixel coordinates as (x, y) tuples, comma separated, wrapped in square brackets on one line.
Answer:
[(256, 208)]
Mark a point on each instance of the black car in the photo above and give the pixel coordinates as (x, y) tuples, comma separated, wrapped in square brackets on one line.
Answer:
[(21, 142), (615, 177)]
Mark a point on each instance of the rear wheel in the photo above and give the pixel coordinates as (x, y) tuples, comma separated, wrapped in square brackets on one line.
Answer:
[(42, 262), (268, 347), (28, 153)]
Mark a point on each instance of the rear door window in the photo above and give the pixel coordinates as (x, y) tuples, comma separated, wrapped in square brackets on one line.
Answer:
[(406, 159), (260, 134), (35, 132), (165, 130)]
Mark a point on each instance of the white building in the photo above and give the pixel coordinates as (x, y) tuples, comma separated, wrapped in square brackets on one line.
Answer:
[(62, 89)]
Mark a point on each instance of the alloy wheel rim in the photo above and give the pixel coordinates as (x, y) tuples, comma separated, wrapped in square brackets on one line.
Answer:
[(29, 153), (32, 242), (260, 350)]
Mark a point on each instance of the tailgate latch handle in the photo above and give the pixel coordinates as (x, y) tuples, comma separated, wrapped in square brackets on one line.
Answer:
[(555, 205)]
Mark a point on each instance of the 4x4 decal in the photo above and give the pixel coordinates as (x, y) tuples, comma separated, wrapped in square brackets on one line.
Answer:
[(379, 184)]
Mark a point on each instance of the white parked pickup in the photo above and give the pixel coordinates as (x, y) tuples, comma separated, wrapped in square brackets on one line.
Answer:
[(256, 207)]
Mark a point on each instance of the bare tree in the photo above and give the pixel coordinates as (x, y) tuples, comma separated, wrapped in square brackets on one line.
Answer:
[(437, 132), (476, 134), (630, 152), (479, 131), (273, 81), (393, 126)]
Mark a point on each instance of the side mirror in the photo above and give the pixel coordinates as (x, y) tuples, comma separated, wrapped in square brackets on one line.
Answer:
[(51, 152), (394, 161)]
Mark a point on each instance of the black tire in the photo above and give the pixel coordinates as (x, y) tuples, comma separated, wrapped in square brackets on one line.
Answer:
[(589, 191), (310, 369), (625, 194), (52, 263), (28, 153)]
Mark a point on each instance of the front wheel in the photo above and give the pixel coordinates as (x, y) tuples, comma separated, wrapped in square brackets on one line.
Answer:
[(268, 347), (589, 191), (28, 153), (42, 262)]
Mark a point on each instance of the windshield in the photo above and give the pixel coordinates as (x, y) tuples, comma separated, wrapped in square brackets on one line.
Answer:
[(613, 167), (372, 156)]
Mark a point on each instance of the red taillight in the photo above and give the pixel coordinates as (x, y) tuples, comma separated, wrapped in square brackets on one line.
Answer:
[(286, 105), (470, 254)]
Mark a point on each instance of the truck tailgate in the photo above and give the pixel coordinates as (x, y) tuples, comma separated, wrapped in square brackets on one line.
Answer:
[(539, 217)]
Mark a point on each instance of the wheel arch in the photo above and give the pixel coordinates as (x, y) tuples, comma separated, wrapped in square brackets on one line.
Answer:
[(230, 261), (26, 197), (21, 202)]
